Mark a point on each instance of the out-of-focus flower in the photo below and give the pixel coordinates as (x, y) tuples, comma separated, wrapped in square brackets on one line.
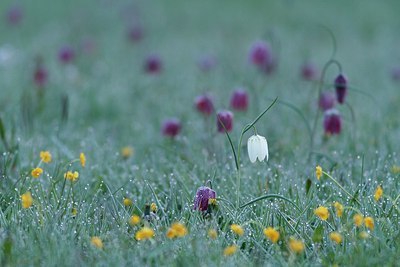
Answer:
[(14, 15), (127, 152), (206, 63), (45, 156), (378, 193), (171, 127), (341, 88), (364, 235), (36, 172), (74, 212), (260, 54), (82, 159), (395, 169), (296, 246), (322, 212), (204, 104), (153, 64), (332, 122), (127, 202), (257, 148), (66, 54), (71, 176), (97, 242), (272, 234), (358, 219), (40, 75), (336, 237), (309, 71), (239, 100), (230, 250), (327, 100), (134, 220), (369, 223), (212, 233), (318, 172), (339, 209), (135, 32), (26, 200), (237, 229), (153, 207), (176, 230), (224, 118), (144, 233), (203, 196)]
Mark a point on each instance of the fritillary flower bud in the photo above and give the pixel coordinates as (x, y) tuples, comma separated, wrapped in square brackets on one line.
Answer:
[(171, 127), (203, 195), (40, 75), (309, 71), (239, 100), (66, 54), (224, 118), (341, 88), (257, 148), (204, 104), (260, 54), (327, 100), (332, 122), (14, 15), (153, 64)]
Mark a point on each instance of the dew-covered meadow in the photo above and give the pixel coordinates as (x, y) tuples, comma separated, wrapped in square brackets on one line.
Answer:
[(199, 133)]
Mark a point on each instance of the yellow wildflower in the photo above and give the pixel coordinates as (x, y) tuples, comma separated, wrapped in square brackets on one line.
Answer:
[(177, 230), (74, 211), (237, 229), (339, 208), (322, 212), (369, 223), (45, 156), (153, 207), (395, 169), (296, 246), (72, 176), (128, 202), (82, 159), (358, 219), (378, 193), (36, 172), (135, 219), (212, 233), (318, 172), (364, 235), (144, 233), (96, 241), (127, 152), (336, 237), (26, 200), (271, 234), (230, 250)]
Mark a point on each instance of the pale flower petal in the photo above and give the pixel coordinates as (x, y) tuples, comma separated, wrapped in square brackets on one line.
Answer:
[(251, 148)]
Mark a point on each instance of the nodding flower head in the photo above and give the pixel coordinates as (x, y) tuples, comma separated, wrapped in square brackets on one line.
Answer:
[(171, 127), (332, 121), (239, 100), (204, 104), (341, 88), (257, 147), (40, 75), (135, 33), (260, 53), (66, 54), (203, 196), (207, 63), (327, 100), (14, 15), (309, 71), (153, 64), (224, 119)]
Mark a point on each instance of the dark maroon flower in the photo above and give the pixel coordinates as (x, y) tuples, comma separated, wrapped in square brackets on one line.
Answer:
[(327, 100), (260, 54), (40, 75), (309, 71), (66, 54), (239, 100), (153, 64), (14, 15), (204, 104), (224, 118), (341, 88), (206, 63), (171, 127), (203, 195), (135, 33), (332, 122)]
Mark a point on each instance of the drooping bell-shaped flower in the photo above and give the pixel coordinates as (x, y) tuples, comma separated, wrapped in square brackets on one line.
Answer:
[(260, 54), (203, 196), (153, 64), (171, 127), (341, 88), (327, 100), (40, 75), (332, 121), (204, 104), (66, 54), (14, 15), (224, 118), (309, 71), (257, 147), (239, 100)]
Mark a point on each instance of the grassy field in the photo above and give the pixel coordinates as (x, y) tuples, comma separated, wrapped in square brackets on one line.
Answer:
[(103, 103)]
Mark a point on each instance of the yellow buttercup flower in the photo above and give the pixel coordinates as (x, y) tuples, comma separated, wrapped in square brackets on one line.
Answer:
[(135, 219), (96, 241), (82, 159), (339, 209), (271, 234), (322, 212), (230, 250), (378, 193), (363, 235), (369, 223), (72, 176), (127, 152), (127, 202), (36, 172), (358, 219), (318, 172), (144, 233), (212, 233), (153, 207), (45, 156), (74, 211), (296, 246), (26, 200), (237, 229), (336, 237), (177, 230), (395, 169)]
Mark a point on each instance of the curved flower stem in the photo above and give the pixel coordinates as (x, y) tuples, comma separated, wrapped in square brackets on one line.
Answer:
[(270, 196), (341, 187)]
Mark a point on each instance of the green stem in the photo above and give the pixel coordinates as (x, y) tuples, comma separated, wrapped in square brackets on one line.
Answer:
[(341, 187), (270, 196)]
